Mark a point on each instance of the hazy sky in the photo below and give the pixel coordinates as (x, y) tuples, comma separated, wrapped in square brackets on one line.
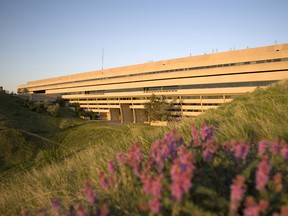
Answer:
[(47, 38)]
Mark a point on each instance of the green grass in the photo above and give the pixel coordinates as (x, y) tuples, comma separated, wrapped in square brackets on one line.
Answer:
[(59, 170), (261, 115), (83, 152)]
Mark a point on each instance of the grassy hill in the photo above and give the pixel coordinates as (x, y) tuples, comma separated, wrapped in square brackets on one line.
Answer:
[(24, 133), (83, 150)]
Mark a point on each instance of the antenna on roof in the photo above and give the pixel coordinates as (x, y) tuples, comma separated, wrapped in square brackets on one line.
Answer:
[(102, 57)]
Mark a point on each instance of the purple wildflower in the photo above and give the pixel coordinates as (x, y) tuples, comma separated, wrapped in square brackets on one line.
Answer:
[(173, 141), (152, 186), (56, 206), (241, 151), (42, 212), (251, 207), (134, 156), (103, 210), (81, 211), (176, 191), (275, 147), (147, 182), (157, 187), (237, 190), (120, 158), (195, 136), (206, 132), (262, 174), (71, 211), (104, 181), (165, 148), (277, 181), (111, 167), (262, 147), (155, 205), (252, 211), (284, 210), (263, 205), (181, 173), (210, 147), (229, 146), (90, 194), (159, 153), (207, 154)]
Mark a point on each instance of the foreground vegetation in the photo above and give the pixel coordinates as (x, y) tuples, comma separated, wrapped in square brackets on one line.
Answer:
[(218, 176)]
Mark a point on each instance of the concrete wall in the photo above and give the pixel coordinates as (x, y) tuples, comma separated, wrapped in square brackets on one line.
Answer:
[(251, 54)]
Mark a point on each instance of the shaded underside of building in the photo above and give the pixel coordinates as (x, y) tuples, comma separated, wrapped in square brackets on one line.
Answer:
[(194, 84)]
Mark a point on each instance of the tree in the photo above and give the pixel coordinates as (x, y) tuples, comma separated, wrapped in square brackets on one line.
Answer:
[(157, 108), (22, 91)]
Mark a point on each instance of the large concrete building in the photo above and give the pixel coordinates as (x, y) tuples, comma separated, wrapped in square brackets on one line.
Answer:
[(194, 83)]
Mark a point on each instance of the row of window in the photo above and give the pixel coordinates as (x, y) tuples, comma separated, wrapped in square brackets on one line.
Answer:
[(175, 108), (184, 87), (172, 70)]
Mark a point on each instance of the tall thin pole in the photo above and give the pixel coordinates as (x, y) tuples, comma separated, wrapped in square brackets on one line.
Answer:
[(102, 57)]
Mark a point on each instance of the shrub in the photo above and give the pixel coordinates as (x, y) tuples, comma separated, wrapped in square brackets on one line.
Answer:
[(65, 123), (157, 109), (53, 110)]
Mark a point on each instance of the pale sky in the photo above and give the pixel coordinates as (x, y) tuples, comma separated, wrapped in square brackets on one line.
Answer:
[(42, 39)]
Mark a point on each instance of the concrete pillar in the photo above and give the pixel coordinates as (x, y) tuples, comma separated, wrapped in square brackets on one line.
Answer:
[(109, 116), (126, 113), (139, 116), (114, 114), (134, 116)]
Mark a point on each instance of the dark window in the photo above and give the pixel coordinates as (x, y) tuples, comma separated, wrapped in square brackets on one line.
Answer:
[(39, 92), (213, 97)]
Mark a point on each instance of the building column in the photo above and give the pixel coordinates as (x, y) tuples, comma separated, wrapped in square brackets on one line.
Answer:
[(114, 114), (126, 113)]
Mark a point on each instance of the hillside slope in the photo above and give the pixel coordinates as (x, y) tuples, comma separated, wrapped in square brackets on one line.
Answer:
[(23, 133)]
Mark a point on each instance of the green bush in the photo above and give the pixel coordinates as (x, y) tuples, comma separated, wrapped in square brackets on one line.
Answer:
[(65, 123), (53, 110)]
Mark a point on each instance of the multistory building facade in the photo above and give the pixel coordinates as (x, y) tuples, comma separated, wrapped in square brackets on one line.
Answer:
[(194, 84)]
